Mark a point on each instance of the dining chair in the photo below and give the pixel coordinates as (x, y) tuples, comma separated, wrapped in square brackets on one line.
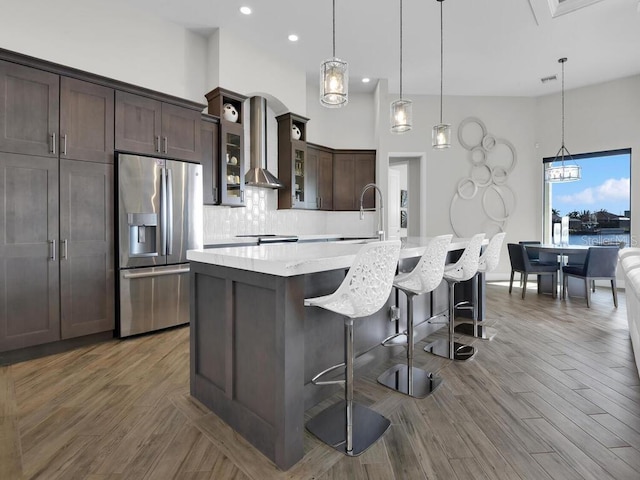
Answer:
[(600, 264), (520, 263)]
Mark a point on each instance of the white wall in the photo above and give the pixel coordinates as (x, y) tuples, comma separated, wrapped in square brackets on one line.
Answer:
[(597, 118), (247, 70), (114, 41), (352, 126)]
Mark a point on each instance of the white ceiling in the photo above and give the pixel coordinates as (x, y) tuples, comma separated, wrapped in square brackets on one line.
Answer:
[(491, 47)]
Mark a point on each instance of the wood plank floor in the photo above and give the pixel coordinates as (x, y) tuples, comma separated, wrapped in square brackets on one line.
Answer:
[(554, 395)]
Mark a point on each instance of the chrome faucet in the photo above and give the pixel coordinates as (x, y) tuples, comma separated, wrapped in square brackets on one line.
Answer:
[(380, 231)]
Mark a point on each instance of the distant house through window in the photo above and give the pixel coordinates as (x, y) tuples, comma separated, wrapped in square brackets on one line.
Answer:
[(598, 205)]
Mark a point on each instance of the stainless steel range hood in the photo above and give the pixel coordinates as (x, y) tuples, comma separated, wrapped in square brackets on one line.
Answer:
[(258, 175)]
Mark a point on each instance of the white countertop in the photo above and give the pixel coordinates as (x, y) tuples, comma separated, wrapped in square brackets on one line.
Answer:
[(289, 259), (230, 241)]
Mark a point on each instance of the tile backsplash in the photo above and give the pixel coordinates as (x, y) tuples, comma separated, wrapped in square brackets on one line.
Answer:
[(261, 215)]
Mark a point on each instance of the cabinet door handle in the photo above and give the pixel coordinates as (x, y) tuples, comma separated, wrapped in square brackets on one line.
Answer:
[(64, 145), (64, 253), (52, 250), (157, 143), (53, 143), (165, 144)]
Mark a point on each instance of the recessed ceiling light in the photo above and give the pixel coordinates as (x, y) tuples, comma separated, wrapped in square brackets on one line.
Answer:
[(293, 37), (245, 10), (366, 80)]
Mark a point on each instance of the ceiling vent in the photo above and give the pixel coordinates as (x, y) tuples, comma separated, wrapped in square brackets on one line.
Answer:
[(550, 78)]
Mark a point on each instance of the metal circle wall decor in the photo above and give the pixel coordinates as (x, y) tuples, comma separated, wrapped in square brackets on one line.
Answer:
[(483, 201)]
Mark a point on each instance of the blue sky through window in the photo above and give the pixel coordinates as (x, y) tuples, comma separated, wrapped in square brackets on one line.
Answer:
[(605, 184)]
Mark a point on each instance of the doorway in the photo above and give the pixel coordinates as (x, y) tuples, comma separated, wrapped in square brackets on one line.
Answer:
[(405, 214)]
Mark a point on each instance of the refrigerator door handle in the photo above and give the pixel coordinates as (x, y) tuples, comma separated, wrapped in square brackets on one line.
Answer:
[(156, 274), (163, 211), (169, 211)]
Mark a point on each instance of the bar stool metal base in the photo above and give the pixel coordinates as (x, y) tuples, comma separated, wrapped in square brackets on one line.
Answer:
[(420, 385), (441, 348), (329, 426), (484, 332)]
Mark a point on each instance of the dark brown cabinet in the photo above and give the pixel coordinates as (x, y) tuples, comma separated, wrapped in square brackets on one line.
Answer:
[(321, 162), (352, 170), (29, 266), (57, 254), (229, 108), (86, 248), (148, 126), (29, 106), (295, 170), (86, 121), (44, 114), (210, 136)]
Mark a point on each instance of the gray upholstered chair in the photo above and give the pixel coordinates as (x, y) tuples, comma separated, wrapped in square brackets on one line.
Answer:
[(600, 264), (521, 263)]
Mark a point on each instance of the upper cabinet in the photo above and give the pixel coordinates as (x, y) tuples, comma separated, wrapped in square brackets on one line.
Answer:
[(86, 121), (45, 114), (29, 110), (148, 126), (320, 161), (296, 170), (352, 170), (210, 136), (229, 107)]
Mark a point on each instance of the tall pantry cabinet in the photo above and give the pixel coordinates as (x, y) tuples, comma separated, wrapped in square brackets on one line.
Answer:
[(56, 207)]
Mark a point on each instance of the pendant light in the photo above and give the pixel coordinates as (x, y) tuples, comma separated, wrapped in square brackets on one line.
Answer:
[(562, 173), (401, 115), (441, 134), (334, 77)]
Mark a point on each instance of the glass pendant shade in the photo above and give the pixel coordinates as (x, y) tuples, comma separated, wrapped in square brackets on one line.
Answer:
[(401, 116), (334, 83), (441, 136), (563, 174)]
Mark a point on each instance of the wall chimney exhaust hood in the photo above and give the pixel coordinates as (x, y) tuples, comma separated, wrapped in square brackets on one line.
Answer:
[(258, 175)]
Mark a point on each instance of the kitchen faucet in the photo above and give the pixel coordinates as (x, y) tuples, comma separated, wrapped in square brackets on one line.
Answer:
[(380, 231)]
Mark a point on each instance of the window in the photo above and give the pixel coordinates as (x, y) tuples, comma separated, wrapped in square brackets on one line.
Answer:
[(598, 205)]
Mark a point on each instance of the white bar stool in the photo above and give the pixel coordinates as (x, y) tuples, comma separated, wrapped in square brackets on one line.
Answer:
[(349, 427), (488, 262), (461, 271), (424, 278)]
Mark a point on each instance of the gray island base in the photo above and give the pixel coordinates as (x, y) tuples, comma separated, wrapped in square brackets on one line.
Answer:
[(255, 347)]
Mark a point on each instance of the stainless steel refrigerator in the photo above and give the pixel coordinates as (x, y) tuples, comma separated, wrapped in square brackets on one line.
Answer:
[(159, 218)]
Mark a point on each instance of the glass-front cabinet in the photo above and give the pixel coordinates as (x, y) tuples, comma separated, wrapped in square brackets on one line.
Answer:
[(229, 107), (295, 169), (232, 180)]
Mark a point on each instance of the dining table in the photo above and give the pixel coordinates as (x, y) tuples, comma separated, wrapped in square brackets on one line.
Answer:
[(564, 254)]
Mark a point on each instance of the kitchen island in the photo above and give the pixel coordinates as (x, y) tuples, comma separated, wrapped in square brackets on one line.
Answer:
[(255, 347)]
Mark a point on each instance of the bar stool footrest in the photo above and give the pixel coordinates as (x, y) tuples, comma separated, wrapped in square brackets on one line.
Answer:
[(440, 347), (330, 427), (397, 378)]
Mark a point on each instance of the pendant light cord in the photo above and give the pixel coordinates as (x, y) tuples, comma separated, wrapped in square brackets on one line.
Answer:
[(334, 28), (400, 49), (562, 60), (441, 56)]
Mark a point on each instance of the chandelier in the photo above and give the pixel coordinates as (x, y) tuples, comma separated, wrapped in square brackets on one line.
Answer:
[(562, 173)]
